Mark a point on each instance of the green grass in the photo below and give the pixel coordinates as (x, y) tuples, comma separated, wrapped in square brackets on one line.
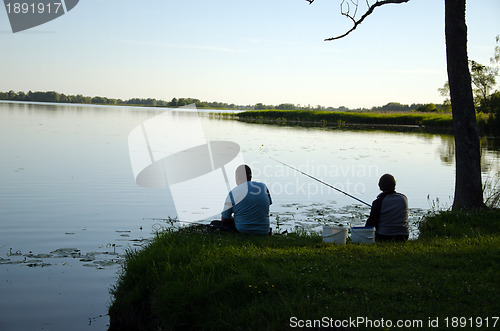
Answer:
[(220, 281), (458, 224), (440, 120), (426, 121)]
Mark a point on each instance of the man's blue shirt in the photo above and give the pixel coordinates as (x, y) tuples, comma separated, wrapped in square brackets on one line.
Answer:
[(249, 202)]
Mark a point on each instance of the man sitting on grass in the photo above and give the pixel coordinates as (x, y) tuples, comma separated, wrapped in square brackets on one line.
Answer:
[(389, 213), (246, 208)]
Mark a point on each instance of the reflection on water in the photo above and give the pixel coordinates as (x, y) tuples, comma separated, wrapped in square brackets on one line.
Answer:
[(489, 152), (71, 208), (447, 149)]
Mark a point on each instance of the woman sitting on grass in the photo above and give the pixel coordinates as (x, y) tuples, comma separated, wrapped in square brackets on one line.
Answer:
[(389, 213)]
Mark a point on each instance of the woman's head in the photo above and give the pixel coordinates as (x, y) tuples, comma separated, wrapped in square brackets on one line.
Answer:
[(387, 183)]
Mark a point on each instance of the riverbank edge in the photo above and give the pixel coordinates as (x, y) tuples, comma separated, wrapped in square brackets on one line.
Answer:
[(394, 121), (189, 278), (388, 121)]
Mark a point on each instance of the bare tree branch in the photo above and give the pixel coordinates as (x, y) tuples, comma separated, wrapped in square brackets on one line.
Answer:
[(352, 17)]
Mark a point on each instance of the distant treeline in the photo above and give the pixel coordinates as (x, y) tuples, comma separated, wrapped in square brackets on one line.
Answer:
[(391, 106), (52, 96)]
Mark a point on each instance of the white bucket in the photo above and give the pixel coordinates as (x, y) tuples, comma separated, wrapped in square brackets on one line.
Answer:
[(334, 235), (363, 234)]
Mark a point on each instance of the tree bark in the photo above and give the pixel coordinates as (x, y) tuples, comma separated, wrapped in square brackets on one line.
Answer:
[(468, 184)]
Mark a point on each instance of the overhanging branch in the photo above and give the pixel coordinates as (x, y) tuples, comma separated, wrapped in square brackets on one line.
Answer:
[(365, 15)]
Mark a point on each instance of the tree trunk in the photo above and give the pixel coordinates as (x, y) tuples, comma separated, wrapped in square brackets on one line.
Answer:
[(468, 184)]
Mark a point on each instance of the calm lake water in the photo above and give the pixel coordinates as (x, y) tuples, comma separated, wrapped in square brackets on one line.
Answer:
[(70, 205)]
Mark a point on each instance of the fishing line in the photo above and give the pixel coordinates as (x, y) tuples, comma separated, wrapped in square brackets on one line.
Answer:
[(322, 182)]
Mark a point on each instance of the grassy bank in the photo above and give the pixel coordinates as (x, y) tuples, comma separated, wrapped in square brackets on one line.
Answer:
[(194, 279), (440, 120), (427, 121)]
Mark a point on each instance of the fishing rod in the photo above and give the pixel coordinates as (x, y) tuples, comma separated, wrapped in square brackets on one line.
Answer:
[(322, 182), (169, 220)]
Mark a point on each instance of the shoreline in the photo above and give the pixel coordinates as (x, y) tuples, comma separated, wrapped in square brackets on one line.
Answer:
[(208, 280), (350, 126), (371, 120), (394, 121)]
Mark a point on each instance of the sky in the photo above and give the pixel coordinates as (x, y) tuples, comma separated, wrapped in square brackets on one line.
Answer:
[(242, 52)]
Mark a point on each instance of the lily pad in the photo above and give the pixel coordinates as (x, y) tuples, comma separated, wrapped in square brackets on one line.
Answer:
[(66, 252)]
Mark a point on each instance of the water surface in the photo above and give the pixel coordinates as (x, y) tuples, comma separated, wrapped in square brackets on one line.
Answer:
[(70, 206)]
